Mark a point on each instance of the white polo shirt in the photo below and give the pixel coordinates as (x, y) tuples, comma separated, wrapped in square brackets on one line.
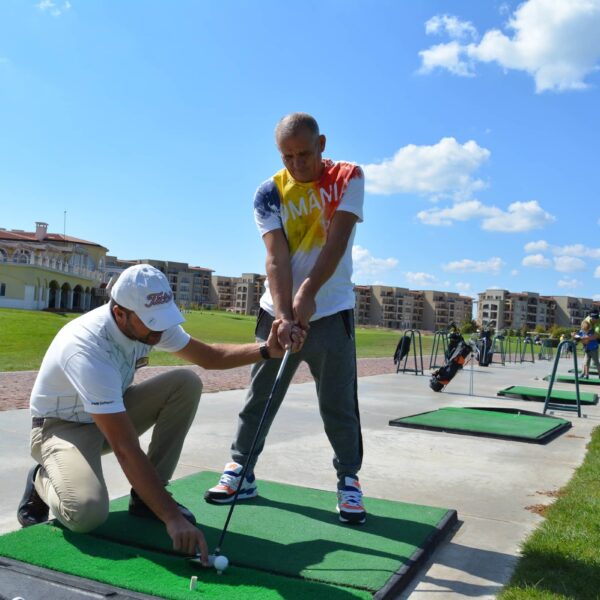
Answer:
[(89, 365)]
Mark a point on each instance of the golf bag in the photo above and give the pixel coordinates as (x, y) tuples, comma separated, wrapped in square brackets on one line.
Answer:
[(486, 348), (443, 376), (454, 338), (402, 349)]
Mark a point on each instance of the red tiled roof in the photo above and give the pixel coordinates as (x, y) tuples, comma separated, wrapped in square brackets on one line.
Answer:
[(29, 236)]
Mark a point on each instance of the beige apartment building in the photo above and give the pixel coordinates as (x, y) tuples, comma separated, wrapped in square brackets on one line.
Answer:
[(240, 295), (570, 310), (513, 310), (190, 285), (386, 306), (401, 308), (41, 270), (440, 309)]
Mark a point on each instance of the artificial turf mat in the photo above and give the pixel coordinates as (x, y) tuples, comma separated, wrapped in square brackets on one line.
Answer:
[(158, 574), (279, 543), (539, 394), (571, 379), (503, 423)]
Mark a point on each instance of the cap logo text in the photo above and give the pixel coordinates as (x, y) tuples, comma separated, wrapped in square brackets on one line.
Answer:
[(158, 298)]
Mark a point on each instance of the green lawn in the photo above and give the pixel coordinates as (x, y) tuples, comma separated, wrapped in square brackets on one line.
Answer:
[(25, 336), (561, 559)]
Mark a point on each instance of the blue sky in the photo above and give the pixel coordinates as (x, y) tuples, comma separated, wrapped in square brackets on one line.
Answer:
[(151, 124)]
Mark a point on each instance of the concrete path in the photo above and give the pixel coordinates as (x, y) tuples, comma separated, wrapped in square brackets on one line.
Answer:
[(491, 483)]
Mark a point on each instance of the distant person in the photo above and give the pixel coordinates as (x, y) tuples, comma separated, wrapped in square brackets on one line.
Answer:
[(589, 339), (84, 404), (306, 214)]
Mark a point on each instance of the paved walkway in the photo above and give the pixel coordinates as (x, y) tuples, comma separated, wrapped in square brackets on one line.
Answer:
[(15, 387)]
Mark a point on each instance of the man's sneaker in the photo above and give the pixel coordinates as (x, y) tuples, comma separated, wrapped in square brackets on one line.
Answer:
[(32, 509), (138, 508), (224, 491), (350, 506)]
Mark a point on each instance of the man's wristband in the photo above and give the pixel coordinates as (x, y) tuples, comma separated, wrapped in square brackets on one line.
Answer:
[(264, 352)]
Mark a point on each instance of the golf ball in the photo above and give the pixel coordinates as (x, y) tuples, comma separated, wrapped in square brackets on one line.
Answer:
[(221, 563)]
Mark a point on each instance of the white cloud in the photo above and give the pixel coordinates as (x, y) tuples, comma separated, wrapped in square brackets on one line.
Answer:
[(539, 246), (597, 272), (453, 26), (419, 279), (514, 272), (53, 8), (461, 211), (596, 297), (568, 264), (367, 267), (520, 216), (444, 169), (493, 265), (569, 283), (446, 56), (554, 41), (577, 250), (463, 287), (538, 261)]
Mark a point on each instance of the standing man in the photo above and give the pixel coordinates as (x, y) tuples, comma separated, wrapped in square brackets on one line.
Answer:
[(306, 214), (84, 405)]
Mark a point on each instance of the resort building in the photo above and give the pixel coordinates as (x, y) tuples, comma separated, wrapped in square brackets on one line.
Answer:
[(391, 307), (41, 270), (570, 310), (518, 310), (191, 285), (440, 309), (240, 295)]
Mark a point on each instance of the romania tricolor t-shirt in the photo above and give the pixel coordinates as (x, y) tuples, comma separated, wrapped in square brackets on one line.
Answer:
[(304, 212)]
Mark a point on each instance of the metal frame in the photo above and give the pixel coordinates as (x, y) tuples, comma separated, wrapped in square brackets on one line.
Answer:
[(416, 370), (548, 404), (442, 335), (527, 342), (498, 339)]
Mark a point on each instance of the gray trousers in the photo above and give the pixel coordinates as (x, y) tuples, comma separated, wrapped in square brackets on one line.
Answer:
[(330, 353), (71, 482)]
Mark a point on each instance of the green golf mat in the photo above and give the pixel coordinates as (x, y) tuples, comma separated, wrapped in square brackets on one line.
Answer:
[(592, 371), (571, 379), (539, 395), (504, 423), (286, 543)]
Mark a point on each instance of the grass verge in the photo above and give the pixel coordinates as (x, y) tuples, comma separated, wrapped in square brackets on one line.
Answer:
[(25, 336), (561, 559)]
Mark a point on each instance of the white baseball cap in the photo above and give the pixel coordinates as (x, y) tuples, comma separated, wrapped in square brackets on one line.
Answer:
[(146, 291)]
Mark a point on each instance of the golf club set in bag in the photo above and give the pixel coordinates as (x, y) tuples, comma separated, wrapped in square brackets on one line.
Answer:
[(458, 351)]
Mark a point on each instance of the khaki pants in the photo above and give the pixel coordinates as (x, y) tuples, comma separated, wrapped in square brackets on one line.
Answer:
[(71, 480)]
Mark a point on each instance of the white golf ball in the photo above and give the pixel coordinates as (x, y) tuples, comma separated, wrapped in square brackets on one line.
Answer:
[(221, 563)]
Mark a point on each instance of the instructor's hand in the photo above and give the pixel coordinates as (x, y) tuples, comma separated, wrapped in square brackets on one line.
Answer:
[(284, 335), (187, 538)]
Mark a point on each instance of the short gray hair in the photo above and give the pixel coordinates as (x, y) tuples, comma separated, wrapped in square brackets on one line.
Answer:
[(292, 124)]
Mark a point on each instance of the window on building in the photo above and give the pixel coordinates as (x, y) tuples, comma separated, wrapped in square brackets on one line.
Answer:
[(2, 289), (3, 255)]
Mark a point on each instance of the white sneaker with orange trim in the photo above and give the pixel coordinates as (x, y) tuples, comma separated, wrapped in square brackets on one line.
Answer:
[(224, 491), (350, 505)]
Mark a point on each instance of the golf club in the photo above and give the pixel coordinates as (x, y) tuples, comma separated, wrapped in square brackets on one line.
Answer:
[(278, 377)]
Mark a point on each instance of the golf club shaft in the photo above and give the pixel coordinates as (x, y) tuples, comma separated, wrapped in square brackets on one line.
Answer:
[(254, 441)]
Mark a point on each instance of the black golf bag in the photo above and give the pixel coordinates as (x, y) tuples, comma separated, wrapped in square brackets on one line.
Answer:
[(454, 338), (402, 349), (486, 349), (443, 376)]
